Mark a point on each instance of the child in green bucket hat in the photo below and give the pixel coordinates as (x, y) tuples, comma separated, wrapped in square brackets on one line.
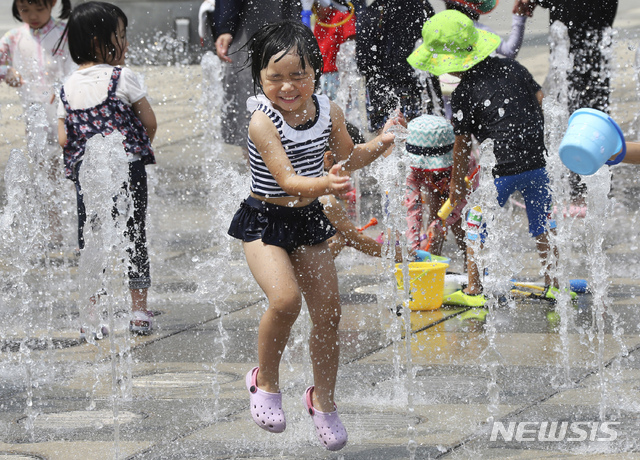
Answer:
[(451, 44), (497, 99), (509, 46)]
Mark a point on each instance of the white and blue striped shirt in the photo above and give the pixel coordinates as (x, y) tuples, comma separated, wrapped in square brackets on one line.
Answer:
[(304, 147)]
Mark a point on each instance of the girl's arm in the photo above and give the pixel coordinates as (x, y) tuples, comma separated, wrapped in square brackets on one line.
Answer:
[(358, 156), (265, 137), (145, 113), (348, 234), (5, 56), (62, 133), (7, 72)]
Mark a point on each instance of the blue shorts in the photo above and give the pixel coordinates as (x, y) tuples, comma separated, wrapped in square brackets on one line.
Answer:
[(282, 226), (534, 187)]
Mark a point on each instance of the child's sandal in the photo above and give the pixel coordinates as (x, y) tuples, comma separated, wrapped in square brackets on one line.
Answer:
[(101, 333), (141, 322), (266, 408), (329, 427)]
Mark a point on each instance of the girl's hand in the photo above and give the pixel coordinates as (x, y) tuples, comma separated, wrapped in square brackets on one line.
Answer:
[(395, 126), (222, 47), (396, 120), (13, 78), (339, 181)]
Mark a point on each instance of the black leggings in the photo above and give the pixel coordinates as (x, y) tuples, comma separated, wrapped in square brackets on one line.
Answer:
[(139, 271)]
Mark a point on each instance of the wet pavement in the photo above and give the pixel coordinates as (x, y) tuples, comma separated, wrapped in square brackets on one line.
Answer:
[(460, 387)]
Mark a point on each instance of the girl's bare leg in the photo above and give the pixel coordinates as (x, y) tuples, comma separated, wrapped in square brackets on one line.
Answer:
[(278, 281), (318, 280)]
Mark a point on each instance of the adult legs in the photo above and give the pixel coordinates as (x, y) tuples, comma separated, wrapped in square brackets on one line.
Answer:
[(590, 85)]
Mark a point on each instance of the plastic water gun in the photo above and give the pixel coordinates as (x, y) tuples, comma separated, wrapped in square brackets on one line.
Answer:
[(372, 222), (444, 212), (448, 207), (422, 256), (350, 196)]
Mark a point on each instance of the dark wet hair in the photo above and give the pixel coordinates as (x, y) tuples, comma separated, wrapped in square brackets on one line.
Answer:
[(462, 9), (64, 14), (280, 38), (90, 27)]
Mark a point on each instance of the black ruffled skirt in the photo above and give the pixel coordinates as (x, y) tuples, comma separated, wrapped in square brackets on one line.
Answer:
[(282, 226)]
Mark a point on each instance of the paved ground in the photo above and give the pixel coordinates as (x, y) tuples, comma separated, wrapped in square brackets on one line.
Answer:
[(179, 393)]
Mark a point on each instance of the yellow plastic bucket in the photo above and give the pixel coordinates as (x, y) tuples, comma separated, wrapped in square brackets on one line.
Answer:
[(427, 284)]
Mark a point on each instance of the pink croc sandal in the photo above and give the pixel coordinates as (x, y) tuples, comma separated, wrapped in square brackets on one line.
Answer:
[(329, 428), (266, 408)]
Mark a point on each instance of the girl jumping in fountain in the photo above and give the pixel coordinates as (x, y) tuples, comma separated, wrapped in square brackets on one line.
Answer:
[(103, 97), (281, 223)]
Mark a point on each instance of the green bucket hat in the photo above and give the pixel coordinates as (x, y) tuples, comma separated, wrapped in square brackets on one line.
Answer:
[(450, 43), (477, 6)]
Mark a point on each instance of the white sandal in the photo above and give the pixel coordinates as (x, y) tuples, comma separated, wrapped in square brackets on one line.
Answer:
[(144, 320)]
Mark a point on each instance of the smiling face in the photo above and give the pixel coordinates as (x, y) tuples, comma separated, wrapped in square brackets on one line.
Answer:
[(288, 86), (36, 14)]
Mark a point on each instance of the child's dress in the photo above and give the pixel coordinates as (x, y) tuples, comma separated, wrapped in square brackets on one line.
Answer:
[(83, 121), (110, 115), (31, 52)]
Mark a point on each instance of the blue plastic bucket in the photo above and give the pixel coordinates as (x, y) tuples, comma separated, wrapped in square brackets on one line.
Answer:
[(591, 139)]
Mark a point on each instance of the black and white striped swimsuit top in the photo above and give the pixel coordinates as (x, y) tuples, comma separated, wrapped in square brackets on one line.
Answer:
[(304, 145)]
